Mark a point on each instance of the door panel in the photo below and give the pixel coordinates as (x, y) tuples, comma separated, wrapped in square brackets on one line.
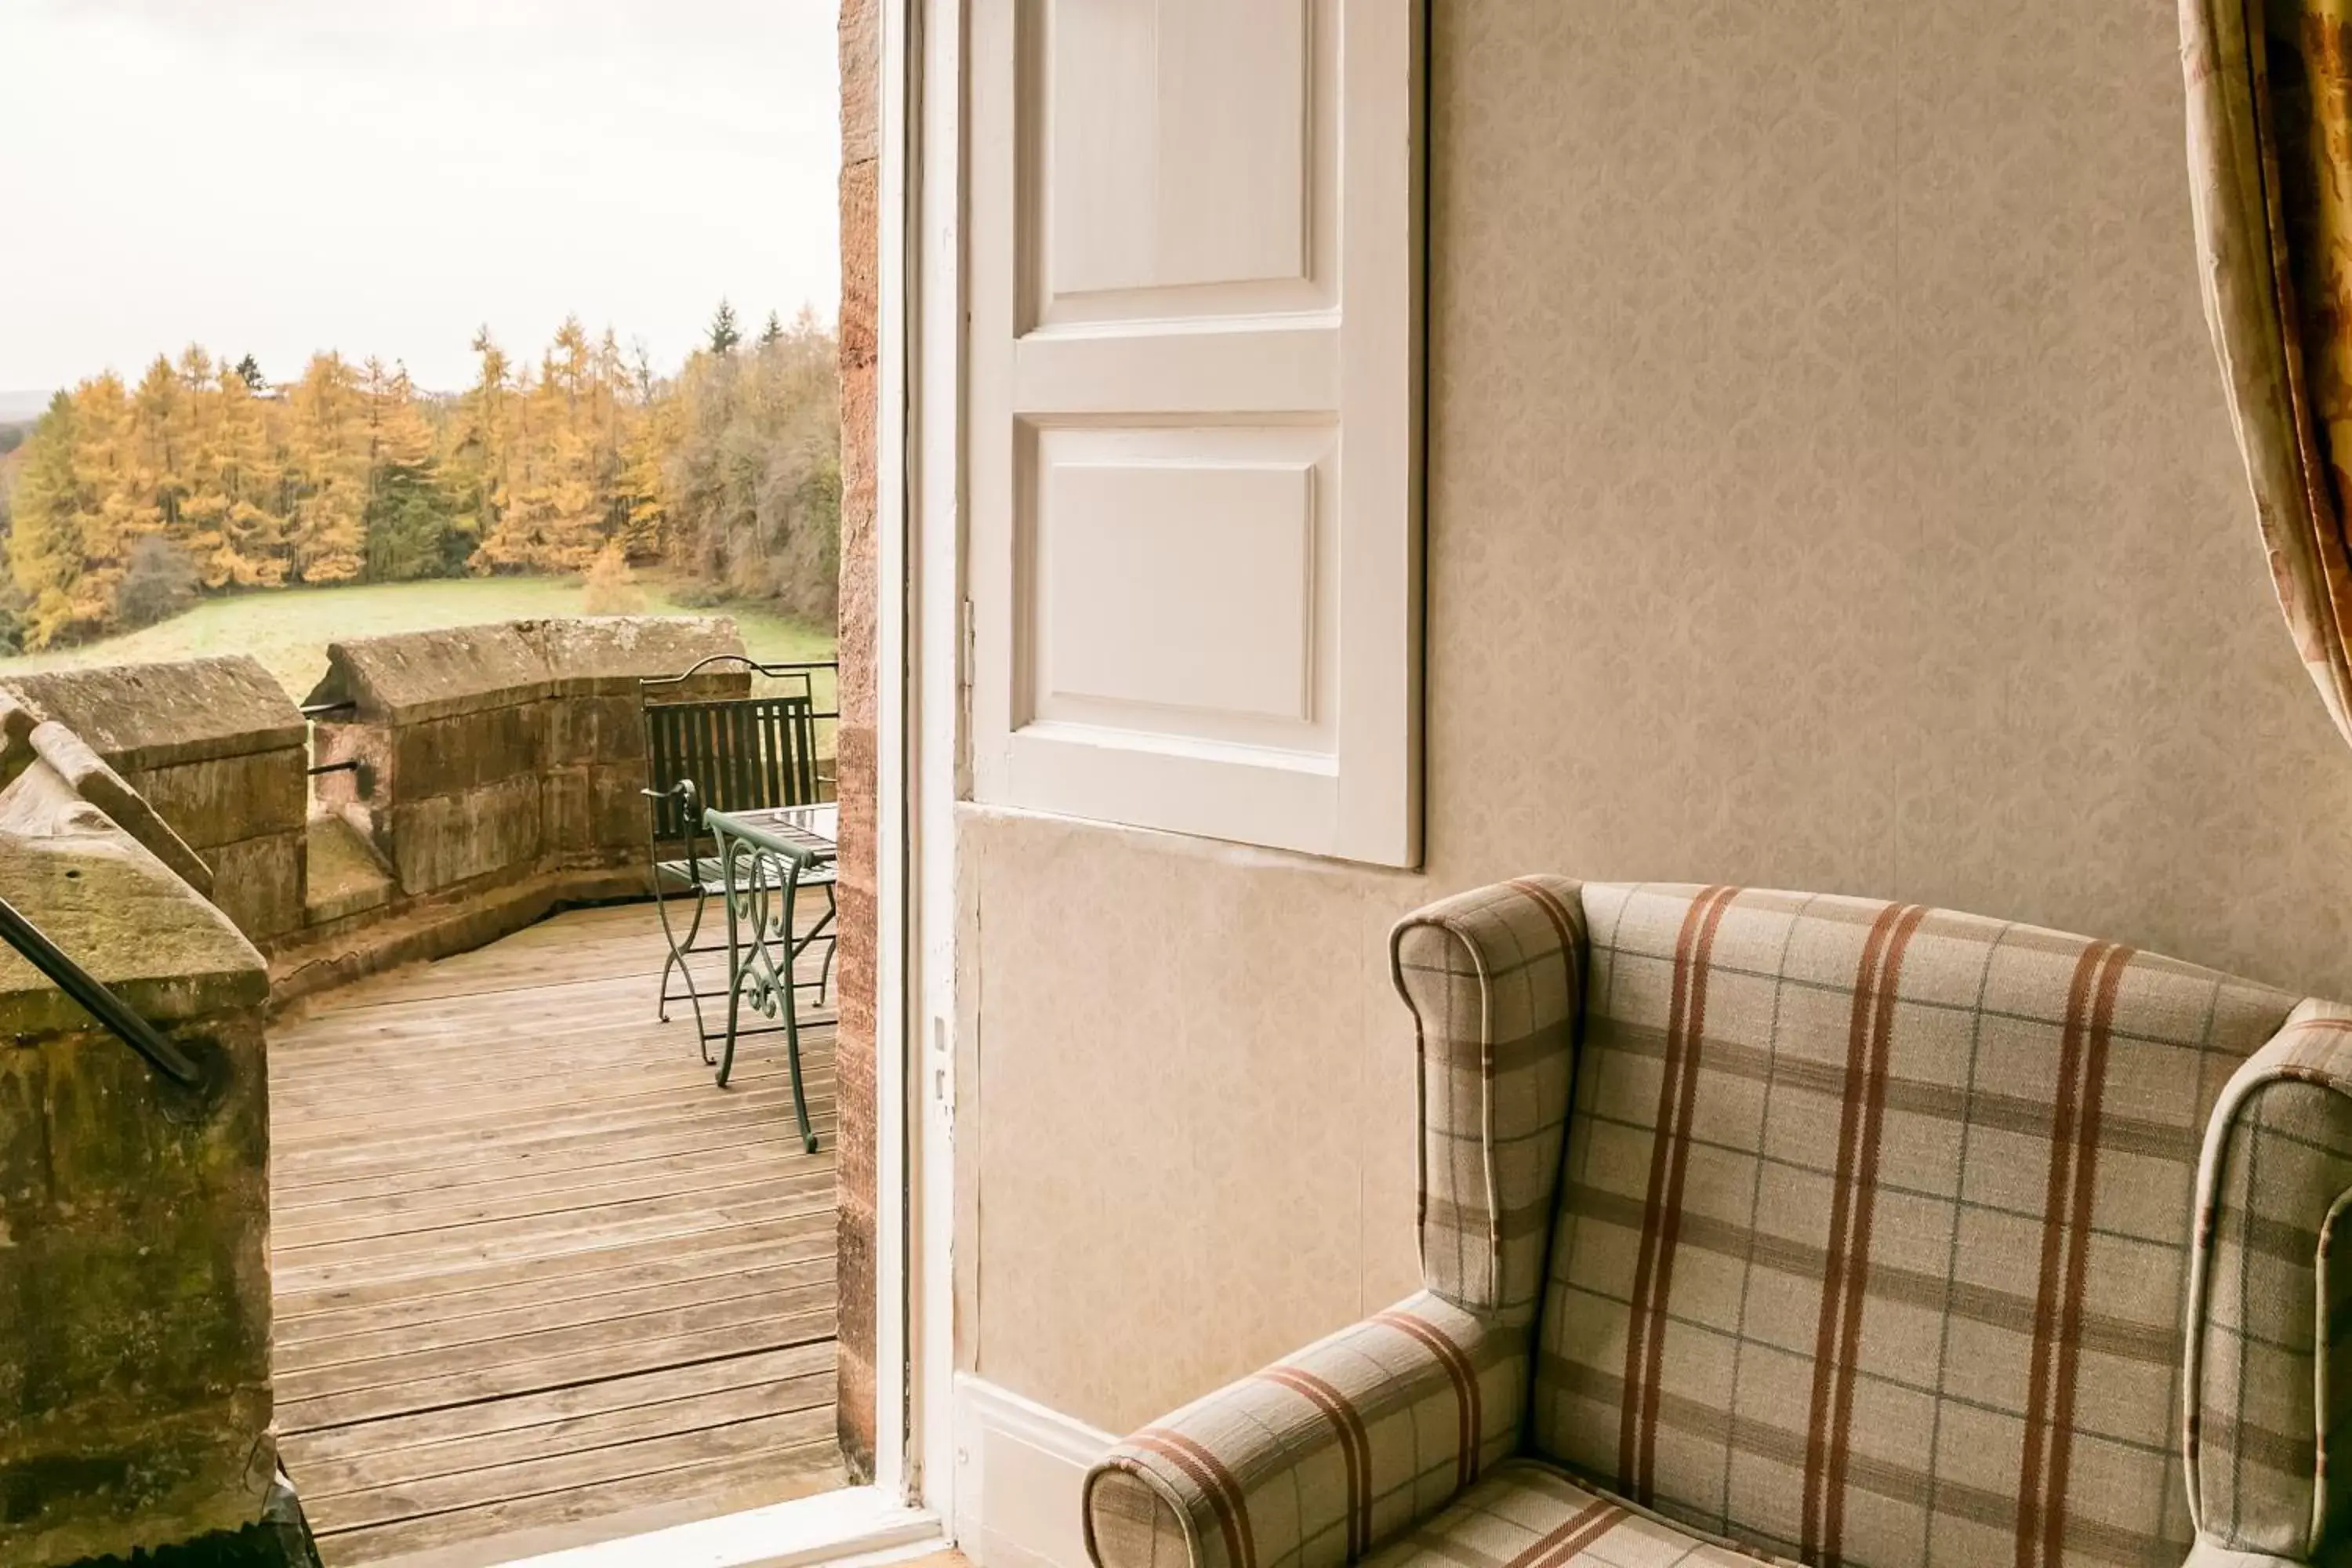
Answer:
[(1195, 448)]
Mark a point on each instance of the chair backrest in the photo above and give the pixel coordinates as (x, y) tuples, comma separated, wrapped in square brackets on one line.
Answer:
[(1873, 1227), (741, 753)]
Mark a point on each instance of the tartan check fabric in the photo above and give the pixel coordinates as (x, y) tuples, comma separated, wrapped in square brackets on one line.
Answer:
[(1876, 1224), (1319, 1458), (1531, 1515), (1493, 979), (2265, 1290), (1854, 1233)]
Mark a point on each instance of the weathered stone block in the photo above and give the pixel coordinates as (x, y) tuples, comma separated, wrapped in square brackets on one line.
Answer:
[(262, 883), (621, 810), (341, 875), (17, 723), (569, 810), (143, 716), (89, 776), (444, 756), (411, 676), (220, 800), (134, 1295), (456, 837), (608, 655), (593, 728)]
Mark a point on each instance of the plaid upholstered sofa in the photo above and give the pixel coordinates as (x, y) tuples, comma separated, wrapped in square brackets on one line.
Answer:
[(1756, 1223)]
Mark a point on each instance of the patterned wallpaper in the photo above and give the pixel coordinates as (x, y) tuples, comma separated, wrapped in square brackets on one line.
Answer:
[(1831, 488)]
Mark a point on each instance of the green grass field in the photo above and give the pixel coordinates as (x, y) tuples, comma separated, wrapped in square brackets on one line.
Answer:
[(288, 629)]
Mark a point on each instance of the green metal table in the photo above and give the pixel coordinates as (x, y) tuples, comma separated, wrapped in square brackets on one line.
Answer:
[(765, 858)]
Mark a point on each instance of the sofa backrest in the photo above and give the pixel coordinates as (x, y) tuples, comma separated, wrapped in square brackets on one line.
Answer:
[(1873, 1227)]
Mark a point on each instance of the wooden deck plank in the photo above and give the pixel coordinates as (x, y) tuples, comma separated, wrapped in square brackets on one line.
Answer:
[(463, 1117), (527, 1218), (734, 1283), (353, 1264), (362, 1309), (532, 1192), (498, 1532), (579, 1434), (739, 1108), (538, 1172), (411, 1378), (538, 1474), (538, 1279), (626, 1356), (455, 1422)]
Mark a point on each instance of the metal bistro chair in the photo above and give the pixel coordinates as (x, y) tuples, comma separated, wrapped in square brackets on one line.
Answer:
[(728, 753)]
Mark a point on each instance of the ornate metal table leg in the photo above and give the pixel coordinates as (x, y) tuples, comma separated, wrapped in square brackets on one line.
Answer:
[(791, 996), (739, 967)]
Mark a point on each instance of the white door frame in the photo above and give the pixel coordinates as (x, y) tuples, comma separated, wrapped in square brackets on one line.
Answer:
[(920, 741), (918, 752), (932, 300)]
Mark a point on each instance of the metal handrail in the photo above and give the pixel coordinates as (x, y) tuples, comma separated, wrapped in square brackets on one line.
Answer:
[(96, 1000)]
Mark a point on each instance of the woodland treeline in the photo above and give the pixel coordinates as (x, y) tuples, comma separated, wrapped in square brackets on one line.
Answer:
[(129, 498)]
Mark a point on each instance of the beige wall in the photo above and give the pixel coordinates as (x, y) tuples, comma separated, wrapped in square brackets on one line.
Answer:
[(1828, 488)]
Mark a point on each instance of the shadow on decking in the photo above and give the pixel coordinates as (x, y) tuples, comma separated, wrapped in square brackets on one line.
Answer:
[(538, 1281)]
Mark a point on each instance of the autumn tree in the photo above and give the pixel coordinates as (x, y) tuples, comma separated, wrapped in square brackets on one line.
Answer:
[(326, 473), (204, 477), (241, 488), (45, 549)]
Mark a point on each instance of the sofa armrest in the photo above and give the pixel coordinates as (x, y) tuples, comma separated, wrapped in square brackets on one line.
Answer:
[(2269, 1332), (1321, 1456)]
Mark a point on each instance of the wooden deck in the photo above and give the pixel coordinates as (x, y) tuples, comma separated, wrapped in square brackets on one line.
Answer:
[(537, 1280)]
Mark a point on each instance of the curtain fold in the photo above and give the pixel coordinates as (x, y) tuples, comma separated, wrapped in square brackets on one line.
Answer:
[(2269, 165)]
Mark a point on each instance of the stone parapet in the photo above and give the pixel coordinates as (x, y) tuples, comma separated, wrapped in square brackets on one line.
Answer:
[(134, 1214), (502, 752), (213, 748)]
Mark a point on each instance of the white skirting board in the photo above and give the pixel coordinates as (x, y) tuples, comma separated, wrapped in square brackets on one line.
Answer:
[(1019, 1467)]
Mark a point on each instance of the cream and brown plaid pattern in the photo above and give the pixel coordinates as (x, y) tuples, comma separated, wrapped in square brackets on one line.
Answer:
[(2267, 1289), (1531, 1515), (1493, 979), (1319, 1458), (1876, 1227), (1868, 1247)]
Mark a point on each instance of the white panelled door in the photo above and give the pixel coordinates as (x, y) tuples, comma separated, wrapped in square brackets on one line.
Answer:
[(1194, 408)]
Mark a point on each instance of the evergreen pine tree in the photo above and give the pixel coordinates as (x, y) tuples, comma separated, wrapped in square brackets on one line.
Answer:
[(724, 334)]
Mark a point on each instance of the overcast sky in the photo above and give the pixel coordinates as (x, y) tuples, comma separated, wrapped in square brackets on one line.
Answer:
[(280, 176)]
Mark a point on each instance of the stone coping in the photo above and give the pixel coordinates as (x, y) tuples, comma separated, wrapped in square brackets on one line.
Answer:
[(412, 677), (115, 909), (143, 716)]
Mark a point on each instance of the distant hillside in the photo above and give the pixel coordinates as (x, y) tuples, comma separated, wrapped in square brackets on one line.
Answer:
[(22, 407)]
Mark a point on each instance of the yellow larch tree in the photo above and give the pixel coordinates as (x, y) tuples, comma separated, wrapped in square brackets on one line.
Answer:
[(326, 472)]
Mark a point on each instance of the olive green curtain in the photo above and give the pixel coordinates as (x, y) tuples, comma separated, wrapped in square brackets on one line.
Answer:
[(2270, 161)]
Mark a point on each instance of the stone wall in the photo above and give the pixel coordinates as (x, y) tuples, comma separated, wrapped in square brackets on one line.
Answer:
[(498, 751), (215, 747), (134, 1282), (495, 776)]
